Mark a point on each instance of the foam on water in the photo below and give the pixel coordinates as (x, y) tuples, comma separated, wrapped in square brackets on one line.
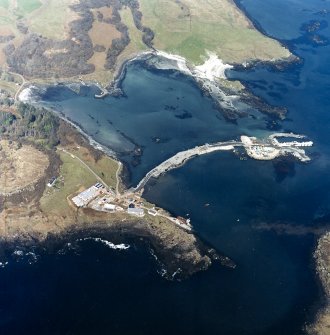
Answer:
[(121, 246), (3, 264)]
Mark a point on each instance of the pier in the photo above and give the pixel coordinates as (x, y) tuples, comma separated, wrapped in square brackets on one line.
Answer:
[(182, 157), (267, 149), (103, 94), (100, 197)]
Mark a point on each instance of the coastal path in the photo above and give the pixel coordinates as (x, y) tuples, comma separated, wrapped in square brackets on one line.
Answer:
[(118, 178), (24, 82)]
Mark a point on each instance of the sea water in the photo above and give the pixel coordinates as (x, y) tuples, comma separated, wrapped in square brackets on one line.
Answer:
[(161, 113), (261, 214)]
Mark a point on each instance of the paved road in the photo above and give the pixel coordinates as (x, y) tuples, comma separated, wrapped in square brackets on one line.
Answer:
[(117, 178), (24, 82)]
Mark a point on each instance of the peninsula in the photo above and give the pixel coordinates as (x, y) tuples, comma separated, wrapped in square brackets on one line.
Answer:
[(53, 174), (41, 45), (55, 182)]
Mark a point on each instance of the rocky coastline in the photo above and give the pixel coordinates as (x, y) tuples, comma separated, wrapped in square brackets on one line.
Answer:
[(177, 259), (180, 252), (232, 99), (225, 98), (321, 325)]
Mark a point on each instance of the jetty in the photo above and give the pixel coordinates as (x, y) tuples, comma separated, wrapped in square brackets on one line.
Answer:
[(101, 197), (82, 81), (182, 157), (103, 94), (266, 149)]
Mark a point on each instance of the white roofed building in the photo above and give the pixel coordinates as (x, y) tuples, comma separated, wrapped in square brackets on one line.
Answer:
[(136, 211)]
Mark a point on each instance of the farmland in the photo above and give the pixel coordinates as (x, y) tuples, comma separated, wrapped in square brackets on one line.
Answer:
[(190, 28), (70, 38)]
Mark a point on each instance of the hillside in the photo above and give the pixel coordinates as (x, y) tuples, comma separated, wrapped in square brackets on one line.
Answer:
[(52, 39)]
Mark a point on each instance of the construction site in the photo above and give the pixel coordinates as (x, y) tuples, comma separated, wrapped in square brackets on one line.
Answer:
[(102, 198)]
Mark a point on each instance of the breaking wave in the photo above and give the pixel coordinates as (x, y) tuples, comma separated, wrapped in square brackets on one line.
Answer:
[(19, 255), (3, 264), (109, 244)]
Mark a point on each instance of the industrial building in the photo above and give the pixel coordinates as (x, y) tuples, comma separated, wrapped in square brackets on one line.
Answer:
[(83, 198), (135, 211)]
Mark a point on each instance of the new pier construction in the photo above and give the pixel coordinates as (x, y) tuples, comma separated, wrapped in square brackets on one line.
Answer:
[(100, 197), (182, 157), (103, 94), (266, 149)]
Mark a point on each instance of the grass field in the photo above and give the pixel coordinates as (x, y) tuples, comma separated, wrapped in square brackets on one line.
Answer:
[(4, 3), (200, 26), (136, 45), (74, 176), (105, 167), (25, 7), (8, 86), (135, 35), (190, 28), (20, 167), (5, 20), (102, 34), (53, 20)]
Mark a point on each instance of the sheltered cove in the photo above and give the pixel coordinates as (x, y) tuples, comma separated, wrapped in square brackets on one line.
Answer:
[(100, 197), (251, 150), (110, 204)]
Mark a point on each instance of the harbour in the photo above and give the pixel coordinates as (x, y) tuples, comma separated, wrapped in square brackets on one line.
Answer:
[(239, 195)]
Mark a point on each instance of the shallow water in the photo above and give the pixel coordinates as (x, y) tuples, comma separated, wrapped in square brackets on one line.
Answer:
[(162, 113), (237, 206)]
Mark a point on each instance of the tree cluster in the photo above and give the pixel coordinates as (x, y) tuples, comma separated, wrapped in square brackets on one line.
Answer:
[(38, 56), (36, 124)]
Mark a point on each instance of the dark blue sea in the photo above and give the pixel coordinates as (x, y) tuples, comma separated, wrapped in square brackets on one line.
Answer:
[(263, 215)]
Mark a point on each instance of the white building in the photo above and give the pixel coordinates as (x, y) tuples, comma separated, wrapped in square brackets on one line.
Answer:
[(83, 198), (136, 211), (110, 207), (152, 212)]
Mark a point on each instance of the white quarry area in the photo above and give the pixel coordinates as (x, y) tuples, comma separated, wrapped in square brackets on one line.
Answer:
[(213, 68), (206, 75), (27, 94)]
